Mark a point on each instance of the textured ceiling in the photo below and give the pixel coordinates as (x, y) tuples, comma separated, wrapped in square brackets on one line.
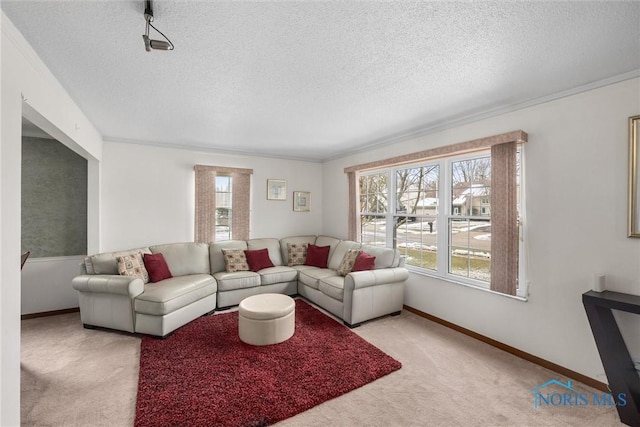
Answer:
[(316, 80)]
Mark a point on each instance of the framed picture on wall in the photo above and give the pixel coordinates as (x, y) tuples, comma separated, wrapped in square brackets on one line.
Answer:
[(301, 201), (276, 189)]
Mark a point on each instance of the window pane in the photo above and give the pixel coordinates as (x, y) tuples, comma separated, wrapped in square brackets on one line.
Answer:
[(471, 187), (470, 248), (373, 193), (417, 191), (224, 201), (415, 234), (373, 230), (416, 238)]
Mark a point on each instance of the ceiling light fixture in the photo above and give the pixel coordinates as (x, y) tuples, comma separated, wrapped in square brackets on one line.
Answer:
[(150, 43)]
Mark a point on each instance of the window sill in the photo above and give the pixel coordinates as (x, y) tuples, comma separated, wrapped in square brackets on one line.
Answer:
[(426, 273)]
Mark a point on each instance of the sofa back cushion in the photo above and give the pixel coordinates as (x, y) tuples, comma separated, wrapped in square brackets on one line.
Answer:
[(339, 252), (385, 257), (105, 263), (216, 257), (185, 258), (272, 245), (297, 240)]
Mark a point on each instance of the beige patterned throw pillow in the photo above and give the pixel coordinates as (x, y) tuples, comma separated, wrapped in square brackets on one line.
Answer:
[(133, 266), (347, 262), (297, 253), (235, 260)]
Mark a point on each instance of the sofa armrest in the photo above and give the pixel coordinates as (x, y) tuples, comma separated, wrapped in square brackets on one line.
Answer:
[(364, 279), (108, 284)]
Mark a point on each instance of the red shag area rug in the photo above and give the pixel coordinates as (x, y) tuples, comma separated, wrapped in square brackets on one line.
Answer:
[(203, 375)]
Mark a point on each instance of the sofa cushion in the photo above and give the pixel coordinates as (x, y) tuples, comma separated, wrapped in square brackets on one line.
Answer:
[(348, 260), (340, 251), (311, 276), (385, 257), (185, 258), (317, 256), (132, 266), (294, 240), (157, 267), (277, 274), (332, 286), (236, 280), (216, 257), (105, 263), (258, 259), (272, 245), (169, 295), (364, 262), (235, 260)]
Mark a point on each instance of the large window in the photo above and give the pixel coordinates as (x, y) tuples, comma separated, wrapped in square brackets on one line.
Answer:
[(449, 216)]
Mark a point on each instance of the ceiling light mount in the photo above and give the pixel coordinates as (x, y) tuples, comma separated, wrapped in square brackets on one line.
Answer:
[(150, 44)]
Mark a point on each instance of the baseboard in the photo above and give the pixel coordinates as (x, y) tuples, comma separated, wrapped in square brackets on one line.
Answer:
[(50, 313), (516, 352)]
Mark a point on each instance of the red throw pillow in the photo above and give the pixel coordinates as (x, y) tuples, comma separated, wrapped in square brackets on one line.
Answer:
[(317, 256), (364, 262), (258, 259), (157, 267)]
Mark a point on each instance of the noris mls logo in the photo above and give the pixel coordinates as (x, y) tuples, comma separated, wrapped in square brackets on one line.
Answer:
[(557, 393)]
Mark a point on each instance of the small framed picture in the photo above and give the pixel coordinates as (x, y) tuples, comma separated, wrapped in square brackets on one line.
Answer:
[(276, 189), (301, 201)]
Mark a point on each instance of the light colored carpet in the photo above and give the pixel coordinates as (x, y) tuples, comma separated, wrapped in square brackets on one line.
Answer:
[(77, 377)]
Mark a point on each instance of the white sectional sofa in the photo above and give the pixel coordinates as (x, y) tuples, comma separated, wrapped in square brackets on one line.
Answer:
[(201, 283)]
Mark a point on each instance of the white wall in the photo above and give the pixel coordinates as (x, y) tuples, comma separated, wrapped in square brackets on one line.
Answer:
[(148, 194), (576, 195), (47, 105)]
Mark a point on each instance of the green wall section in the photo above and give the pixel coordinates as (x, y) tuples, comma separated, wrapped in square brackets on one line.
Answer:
[(54, 199)]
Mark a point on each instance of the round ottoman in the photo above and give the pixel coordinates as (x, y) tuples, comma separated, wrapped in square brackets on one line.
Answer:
[(266, 319)]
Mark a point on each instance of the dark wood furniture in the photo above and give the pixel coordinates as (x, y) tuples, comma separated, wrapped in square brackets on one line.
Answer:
[(23, 259), (621, 373)]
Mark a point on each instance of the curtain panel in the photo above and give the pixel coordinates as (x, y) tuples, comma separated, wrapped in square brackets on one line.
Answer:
[(504, 219)]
